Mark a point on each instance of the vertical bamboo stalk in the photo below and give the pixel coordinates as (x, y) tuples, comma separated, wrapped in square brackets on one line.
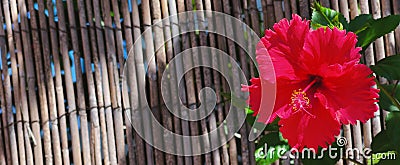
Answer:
[(141, 149), (152, 77), (206, 77), (396, 10), (16, 80), (2, 106), (390, 43), (223, 156), (103, 89), (232, 52), (304, 9), (293, 5), (125, 97), (335, 5), (344, 9), (325, 3), (194, 83), (286, 5), (255, 24), (179, 125), (95, 140), (79, 83), (9, 110), (115, 80), (188, 78), (29, 70), (101, 144), (167, 118), (58, 86), (3, 55), (48, 78), (247, 154), (76, 149), (278, 10), (161, 63), (353, 8)]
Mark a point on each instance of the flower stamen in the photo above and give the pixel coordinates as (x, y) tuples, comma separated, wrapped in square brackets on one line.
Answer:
[(300, 101)]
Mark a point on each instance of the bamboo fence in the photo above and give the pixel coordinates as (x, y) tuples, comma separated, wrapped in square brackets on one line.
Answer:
[(61, 96)]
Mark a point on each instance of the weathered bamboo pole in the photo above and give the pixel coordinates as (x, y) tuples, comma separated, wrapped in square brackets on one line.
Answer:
[(188, 78), (245, 144), (207, 77), (2, 106), (232, 52), (152, 78), (304, 9), (94, 125), (58, 85), (196, 82), (48, 78), (76, 149), (286, 8), (102, 85), (9, 108), (396, 10), (218, 157), (325, 3), (3, 55), (95, 135), (141, 148), (278, 10), (125, 95), (293, 6), (220, 85), (178, 68), (344, 9), (160, 58), (167, 117), (16, 82), (29, 71), (116, 52), (79, 83), (335, 5)]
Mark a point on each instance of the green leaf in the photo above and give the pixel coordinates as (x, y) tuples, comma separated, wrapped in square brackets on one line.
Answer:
[(393, 129), (360, 23), (325, 17), (395, 161), (380, 143), (388, 67), (271, 139), (377, 28), (384, 101)]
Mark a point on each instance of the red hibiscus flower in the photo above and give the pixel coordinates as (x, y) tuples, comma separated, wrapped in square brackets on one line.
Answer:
[(320, 83)]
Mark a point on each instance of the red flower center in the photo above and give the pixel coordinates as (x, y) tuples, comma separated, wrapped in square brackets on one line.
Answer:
[(299, 99)]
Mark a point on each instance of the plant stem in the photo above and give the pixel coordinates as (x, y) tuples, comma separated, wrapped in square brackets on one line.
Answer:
[(394, 100)]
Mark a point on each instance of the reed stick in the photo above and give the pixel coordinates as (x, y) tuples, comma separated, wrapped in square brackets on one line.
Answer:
[(14, 76), (73, 122)]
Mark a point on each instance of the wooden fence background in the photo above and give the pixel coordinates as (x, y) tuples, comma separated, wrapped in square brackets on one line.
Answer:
[(60, 95)]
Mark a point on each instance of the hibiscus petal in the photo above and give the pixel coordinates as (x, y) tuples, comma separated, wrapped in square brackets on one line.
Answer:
[(283, 45), (350, 94), (325, 47), (302, 130)]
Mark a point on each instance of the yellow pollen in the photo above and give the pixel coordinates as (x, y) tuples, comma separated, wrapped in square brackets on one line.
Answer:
[(300, 101)]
